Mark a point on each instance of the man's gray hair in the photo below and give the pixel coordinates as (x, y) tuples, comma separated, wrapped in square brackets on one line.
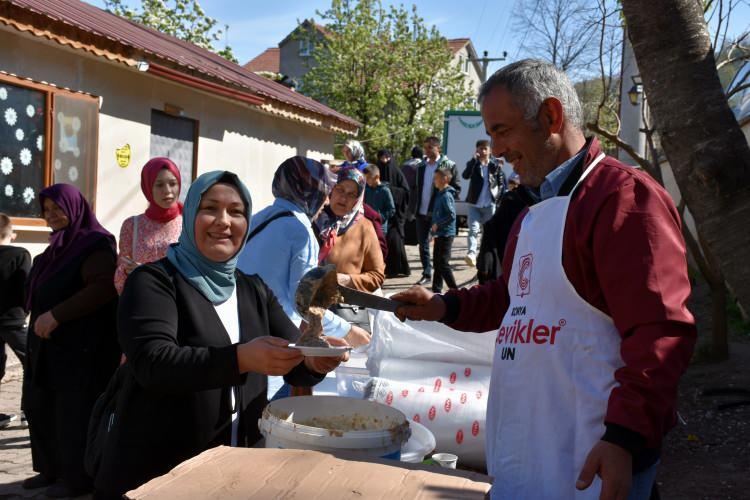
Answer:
[(530, 82)]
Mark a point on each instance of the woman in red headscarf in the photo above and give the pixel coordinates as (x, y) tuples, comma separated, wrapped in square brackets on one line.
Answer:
[(146, 237)]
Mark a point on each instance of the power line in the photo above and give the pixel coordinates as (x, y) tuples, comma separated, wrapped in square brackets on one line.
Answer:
[(526, 33), (479, 24), (492, 36), (507, 23)]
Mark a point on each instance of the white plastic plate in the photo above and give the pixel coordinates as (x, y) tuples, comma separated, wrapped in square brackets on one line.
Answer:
[(321, 351)]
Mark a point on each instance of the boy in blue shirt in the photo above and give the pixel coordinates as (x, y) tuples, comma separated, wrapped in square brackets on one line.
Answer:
[(378, 195), (443, 229)]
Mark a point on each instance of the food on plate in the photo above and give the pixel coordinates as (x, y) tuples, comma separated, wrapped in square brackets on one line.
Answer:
[(313, 335)]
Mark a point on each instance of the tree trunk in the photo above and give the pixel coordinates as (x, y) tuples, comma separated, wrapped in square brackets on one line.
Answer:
[(706, 149)]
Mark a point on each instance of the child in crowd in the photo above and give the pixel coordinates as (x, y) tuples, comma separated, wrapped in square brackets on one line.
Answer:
[(443, 230), (15, 263), (378, 195)]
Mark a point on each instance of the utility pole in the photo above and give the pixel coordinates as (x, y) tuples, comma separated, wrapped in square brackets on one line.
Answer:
[(486, 61)]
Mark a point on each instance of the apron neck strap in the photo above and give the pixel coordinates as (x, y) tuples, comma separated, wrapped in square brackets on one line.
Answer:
[(587, 172)]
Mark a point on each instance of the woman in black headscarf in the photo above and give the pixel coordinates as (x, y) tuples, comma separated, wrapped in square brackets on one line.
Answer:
[(396, 263)]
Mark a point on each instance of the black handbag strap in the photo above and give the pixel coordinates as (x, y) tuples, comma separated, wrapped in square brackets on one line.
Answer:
[(266, 222)]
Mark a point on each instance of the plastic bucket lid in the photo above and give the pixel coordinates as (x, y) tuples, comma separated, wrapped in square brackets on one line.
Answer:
[(283, 423), (420, 444)]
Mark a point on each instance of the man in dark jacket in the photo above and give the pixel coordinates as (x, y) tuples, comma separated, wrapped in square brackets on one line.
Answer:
[(486, 187), (423, 197), (409, 169)]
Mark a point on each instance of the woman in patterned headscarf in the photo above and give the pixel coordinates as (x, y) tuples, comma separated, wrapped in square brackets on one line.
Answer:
[(354, 154), (349, 238), (282, 245)]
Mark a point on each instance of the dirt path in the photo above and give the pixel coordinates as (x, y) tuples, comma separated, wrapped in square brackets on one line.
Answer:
[(708, 455)]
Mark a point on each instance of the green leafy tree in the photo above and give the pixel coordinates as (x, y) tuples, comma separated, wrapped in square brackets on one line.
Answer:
[(184, 19), (386, 69)]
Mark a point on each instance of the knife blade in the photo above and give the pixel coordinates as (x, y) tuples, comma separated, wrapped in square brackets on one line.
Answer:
[(364, 299)]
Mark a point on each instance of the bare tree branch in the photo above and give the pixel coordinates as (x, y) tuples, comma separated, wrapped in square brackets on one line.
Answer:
[(732, 60), (717, 49), (640, 160), (738, 89)]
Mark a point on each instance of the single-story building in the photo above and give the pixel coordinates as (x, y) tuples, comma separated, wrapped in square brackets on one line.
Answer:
[(87, 97)]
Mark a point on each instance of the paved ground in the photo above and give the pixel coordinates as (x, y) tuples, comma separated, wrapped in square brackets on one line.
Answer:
[(15, 454)]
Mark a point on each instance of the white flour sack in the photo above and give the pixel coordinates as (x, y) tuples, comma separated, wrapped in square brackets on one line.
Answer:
[(436, 376), (426, 341), (455, 415)]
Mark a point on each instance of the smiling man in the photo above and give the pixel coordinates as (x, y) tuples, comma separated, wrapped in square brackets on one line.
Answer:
[(593, 332)]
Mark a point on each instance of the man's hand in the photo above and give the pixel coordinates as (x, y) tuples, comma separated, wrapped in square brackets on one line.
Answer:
[(324, 365), (45, 324), (356, 337), (268, 356), (614, 465), (434, 228), (422, 305)]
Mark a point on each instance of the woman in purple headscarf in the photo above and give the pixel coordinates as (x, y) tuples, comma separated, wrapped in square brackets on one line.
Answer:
[(72, 340)]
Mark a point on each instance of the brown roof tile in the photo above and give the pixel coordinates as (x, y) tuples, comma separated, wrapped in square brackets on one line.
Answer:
[(457, 44), (268, 60), (77, 18)]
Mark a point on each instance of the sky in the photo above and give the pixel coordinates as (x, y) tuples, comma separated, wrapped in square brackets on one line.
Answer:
[(255, 25)]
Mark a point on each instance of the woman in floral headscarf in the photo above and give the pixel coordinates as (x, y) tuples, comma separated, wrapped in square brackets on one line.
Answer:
[(145, 238), (348, 238), (354, 154)]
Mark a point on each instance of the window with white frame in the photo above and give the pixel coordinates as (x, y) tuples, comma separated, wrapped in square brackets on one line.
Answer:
[(305, 47)]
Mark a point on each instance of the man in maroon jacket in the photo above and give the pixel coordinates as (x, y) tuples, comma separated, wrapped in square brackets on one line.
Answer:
[(593, 332)]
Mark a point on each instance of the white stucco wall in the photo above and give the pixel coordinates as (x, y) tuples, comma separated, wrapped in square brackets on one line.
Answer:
[(233, 136), (472, 77)]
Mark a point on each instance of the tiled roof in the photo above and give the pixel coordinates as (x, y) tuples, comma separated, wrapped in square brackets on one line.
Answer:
[(457, 44), (76, 19), (306, 23), (268, 60)]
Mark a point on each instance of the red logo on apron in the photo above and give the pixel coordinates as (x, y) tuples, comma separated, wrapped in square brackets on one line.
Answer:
[(460, 436), (438, 384), (389, 398), (431, 413), (447, 405), (467, 372), (463, 398), (421, 389), (475, 428), (453, 378), (479, 394), (416, 418), (404, 393), (524, 275)]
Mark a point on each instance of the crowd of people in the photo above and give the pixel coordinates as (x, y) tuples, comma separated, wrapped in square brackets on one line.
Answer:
[(140, 356)]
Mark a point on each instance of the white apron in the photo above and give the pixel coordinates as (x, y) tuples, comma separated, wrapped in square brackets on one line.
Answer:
[(553, 370)]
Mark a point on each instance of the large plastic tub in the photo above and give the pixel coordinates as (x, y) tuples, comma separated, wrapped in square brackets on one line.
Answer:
[(288, 423)]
